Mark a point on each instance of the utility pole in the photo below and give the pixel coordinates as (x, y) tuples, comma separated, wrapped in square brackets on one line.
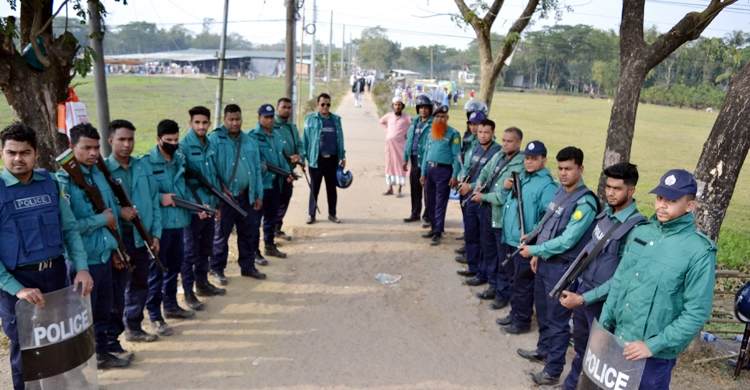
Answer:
[(351, 50), (100, 80), (312, 51), (431, 76), (343, 35), (328, 70), (222, 62), (291, 9), (301, 48)]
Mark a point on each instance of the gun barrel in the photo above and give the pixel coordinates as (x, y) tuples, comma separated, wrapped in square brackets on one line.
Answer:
[(218, 193), (279, 171), (185, 204)]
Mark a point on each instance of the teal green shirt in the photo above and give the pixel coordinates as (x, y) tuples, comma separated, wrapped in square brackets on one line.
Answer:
[(467, 155), (663, 290), (289, 138), (199, 156), (271, 152), (311, 138), (97, 240), (74, 249), (421, 141), (600, 293), (143, 191), (573, 232), (170, 179), (443, 151), (497, 195), (537, 190), (248, 174)]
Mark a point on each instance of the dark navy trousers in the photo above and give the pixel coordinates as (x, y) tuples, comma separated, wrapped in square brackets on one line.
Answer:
[(101, 300), (473, 238), (51, 279), (270, 213), (522, 297), (198, 243), (583, 317), (162, 286), (247, 235), (436, 193), (416, 189), (657, 374), (120, 278), (552, 317), (286, 196), (326, 170), (136, 291), (494, 252)]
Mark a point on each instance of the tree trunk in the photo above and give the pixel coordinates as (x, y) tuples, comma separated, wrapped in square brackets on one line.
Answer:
[(723, 155)]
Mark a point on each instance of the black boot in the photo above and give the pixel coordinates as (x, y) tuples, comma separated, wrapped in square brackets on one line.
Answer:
[(271, 250)]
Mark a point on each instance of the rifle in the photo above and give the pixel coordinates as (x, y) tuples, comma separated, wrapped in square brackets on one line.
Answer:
[(516, 188), (289, 159), (531, 237), (280, 171), (186, 204), (571, 274), (124, 199), (484, 188), (70, 165), (191, 174)]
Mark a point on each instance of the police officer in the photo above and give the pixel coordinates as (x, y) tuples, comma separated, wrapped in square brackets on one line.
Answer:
[(97, 239), (198, 238), (476, 160), (538, 189), (560, 240), (292, 143), (468, 142), (613, 224), (271, 151), (27, 274), (167, 162), (416, 140), (323, 148), (131, 289), (495, 173), (440, 171), (238, 165), (663, 289)]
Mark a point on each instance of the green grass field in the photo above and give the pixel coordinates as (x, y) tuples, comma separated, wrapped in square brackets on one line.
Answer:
[(665, 137)]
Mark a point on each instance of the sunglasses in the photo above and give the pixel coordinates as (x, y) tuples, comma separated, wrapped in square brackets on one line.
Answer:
[(325, 104)]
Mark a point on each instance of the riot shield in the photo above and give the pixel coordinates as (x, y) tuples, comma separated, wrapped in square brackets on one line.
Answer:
[(605, 367), (57, 342)]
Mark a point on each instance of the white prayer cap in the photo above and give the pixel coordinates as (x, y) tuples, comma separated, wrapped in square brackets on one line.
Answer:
[(397, 99)]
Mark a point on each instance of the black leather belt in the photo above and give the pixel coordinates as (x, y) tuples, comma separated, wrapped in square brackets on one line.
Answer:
[(243, 192), (556, 259), (46, 264), (126, 229), (326, 155), (438, 165)]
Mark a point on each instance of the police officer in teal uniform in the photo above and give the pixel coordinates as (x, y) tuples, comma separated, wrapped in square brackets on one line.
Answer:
[(440, 171), (33, 264), (97, 239), (416, 140), (561, 239), (292, 143)]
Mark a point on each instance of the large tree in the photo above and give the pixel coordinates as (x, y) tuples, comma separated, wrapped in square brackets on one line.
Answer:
[(637, 58), (490, 66), (376, 50), (33, 92)]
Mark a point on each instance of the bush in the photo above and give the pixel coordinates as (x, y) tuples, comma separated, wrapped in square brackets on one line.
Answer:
[(682, 95), (382, 96)]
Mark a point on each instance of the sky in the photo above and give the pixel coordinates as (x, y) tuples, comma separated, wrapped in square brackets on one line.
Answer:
[(410, 22)]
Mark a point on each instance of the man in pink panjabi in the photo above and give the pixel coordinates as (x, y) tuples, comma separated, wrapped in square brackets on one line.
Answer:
[(396, 124)]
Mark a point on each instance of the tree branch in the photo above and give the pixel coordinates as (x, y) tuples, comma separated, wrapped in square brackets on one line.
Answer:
[(492, 13), (32, 38), (465, 11), (49, 21), (518, 26)]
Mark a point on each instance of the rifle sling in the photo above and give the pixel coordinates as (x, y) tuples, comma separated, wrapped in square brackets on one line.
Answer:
[(600, 245), (496, 173), (476, 164), (549, 213)]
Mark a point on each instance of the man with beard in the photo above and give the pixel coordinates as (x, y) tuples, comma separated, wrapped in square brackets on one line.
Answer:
[(476, 160), (495, 174), (440, 171), (292, 145), (416, 140), (560, 240), (614, 224), (396, 124)]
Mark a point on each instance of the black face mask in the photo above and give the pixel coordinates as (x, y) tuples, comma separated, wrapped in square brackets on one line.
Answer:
[(169, 148)]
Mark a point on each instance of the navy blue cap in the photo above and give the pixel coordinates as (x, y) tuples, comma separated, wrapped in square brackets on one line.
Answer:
[(476, 117), (675, 184), (441, 109), (535, 148), (266, 110)]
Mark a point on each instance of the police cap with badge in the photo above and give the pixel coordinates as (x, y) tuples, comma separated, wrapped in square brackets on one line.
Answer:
[(266, 110), (675, 184), (476, 117), (535, 148), (441, 110)]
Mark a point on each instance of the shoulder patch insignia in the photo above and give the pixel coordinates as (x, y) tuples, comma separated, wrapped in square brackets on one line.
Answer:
[(578, 215), (455, 141)]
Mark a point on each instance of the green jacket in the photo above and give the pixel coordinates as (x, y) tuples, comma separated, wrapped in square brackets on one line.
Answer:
[(311, 138), (663, 290), (469, 155), (289, 138), (97, 239), (226, 151), (537, 190), (421, 143), (271, 152), (199, 157), (74, 250), (600, 292), (472, 140), (497, 195), (141, 186), (443, 151), (170, 179), (574, 231)]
